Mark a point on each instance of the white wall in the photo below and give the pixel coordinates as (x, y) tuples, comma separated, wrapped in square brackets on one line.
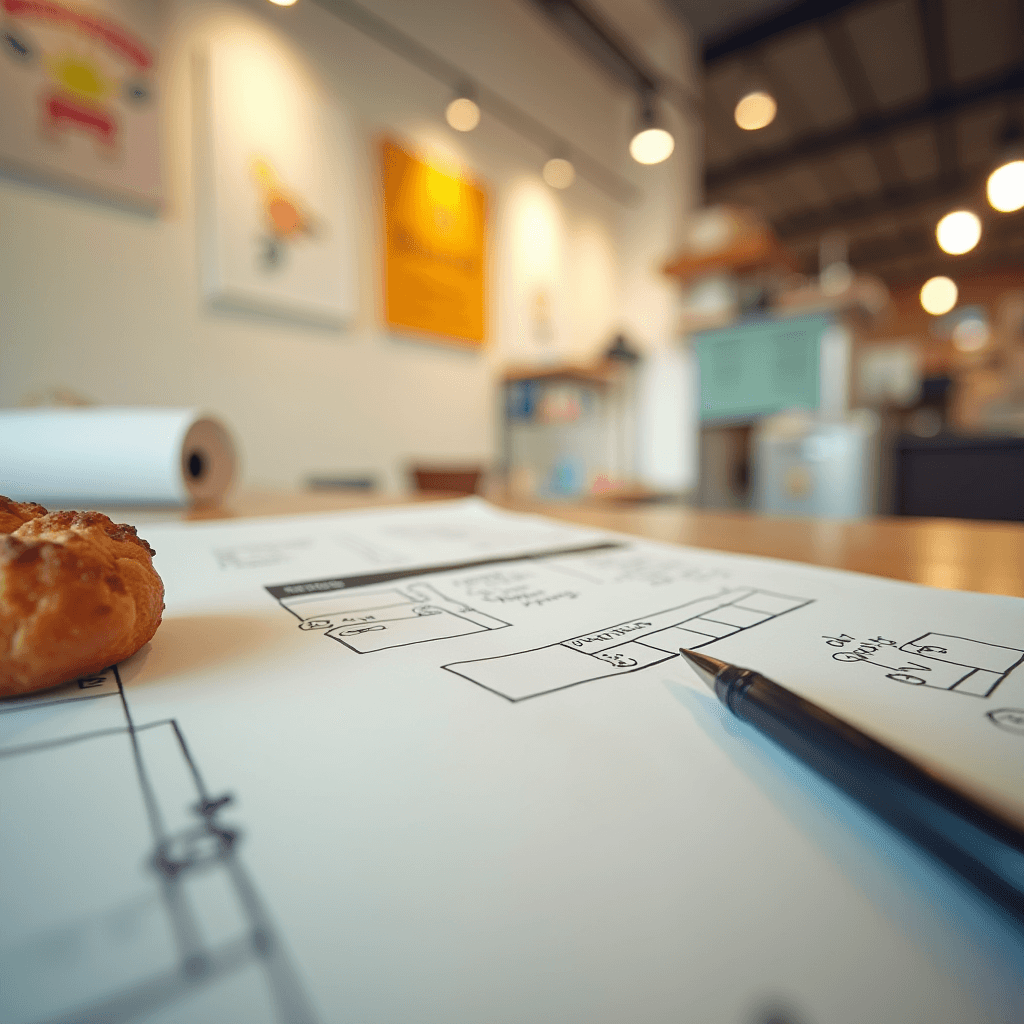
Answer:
[(108, 303)]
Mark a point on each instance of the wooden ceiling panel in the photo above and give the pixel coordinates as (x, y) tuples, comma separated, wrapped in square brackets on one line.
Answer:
[(782, 195), (726, 83), (833, 176), (889, 111), (983, 36), (811, 190), (976, 135), (751, 196), (859, 168), (716, 150), (801, 59), (917, 153), (887, 37)]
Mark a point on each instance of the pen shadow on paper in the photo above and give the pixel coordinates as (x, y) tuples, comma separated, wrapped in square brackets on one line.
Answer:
[(189, 644), (900, 880)]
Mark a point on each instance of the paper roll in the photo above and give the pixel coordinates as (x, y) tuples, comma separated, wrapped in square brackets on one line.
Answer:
[(114, 456)]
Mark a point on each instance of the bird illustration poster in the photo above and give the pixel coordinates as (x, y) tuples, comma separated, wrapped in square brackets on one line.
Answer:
[(271, 181), (80, 97), (435, 223)]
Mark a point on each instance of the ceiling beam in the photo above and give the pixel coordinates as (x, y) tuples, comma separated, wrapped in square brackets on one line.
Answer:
[(591, 32), (921, 267), (902, 199), (862, 130), (861, 94), (932, 19), (804, 12), (795, 112), (613, 53), (919, 246)]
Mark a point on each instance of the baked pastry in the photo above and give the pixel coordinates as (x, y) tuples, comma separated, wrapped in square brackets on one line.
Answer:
[(14, 513), (78, 593)]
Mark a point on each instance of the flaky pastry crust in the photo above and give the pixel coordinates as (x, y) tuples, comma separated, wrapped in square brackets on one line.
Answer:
[(78, 593), (14, 513)]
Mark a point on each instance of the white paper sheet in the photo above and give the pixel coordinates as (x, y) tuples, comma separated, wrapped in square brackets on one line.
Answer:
[(445, 764)]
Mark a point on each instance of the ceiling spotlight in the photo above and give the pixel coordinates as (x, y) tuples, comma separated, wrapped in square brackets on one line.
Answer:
[(958, 232), (938, 295), (283, 3), (651, 144), (462, 113), (1006, 187), (559, 172), (756, 110), (1006, 183)]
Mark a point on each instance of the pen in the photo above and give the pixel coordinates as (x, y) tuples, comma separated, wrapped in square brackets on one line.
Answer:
[(987, 851)]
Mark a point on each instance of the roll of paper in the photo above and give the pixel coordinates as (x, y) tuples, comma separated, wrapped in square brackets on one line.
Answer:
[(70, 458)]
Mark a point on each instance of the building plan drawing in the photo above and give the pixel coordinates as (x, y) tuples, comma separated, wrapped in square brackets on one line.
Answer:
[(444, 764), (167, 951), (627, 646), (973, 667)]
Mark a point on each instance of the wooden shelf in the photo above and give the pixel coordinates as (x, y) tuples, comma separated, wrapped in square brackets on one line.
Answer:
[(599, 374), (744, 243), (754, 250)]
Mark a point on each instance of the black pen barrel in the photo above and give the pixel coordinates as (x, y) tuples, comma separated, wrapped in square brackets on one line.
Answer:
[(985, 850)]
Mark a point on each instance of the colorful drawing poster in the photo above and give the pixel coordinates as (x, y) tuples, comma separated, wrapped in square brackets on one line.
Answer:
[(434, 249), (79, 106), (271, 181)]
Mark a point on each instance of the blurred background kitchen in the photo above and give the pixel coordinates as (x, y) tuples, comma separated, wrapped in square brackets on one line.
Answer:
[(746, 255)]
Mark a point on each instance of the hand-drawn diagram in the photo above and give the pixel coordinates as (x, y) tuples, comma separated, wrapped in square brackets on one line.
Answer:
[(191, 917), (366, 620), (1010, 719), (962, 665), (381, 619), (946, 662), (626, 647)]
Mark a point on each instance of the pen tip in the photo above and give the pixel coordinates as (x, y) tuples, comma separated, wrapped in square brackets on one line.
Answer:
[(704, 665)]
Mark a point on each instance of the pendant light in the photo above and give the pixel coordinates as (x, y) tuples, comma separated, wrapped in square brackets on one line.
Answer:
[(651, 144)]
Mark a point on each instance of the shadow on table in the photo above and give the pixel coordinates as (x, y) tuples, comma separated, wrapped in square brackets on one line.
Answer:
[(195, 643)]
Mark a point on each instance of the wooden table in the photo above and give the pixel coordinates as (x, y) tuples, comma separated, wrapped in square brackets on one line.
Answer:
[(954, 554)]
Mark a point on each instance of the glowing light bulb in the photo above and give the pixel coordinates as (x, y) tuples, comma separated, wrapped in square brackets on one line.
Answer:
[(462, 114), (958, 232), (939, 295), (756, 110), (283, 3), (559, 172), (1006, 187), (651, 146)]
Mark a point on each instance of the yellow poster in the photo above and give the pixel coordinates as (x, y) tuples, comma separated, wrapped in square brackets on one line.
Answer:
[(434, 249)]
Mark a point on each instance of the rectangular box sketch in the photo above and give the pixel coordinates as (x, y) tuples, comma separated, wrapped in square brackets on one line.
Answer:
[(377, 620), (365, 620), (188, 923), (625, 647), (961, 664)]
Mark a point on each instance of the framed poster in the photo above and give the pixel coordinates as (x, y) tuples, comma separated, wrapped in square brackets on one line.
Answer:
[(271, 183), (434, 249), (79, 105)]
